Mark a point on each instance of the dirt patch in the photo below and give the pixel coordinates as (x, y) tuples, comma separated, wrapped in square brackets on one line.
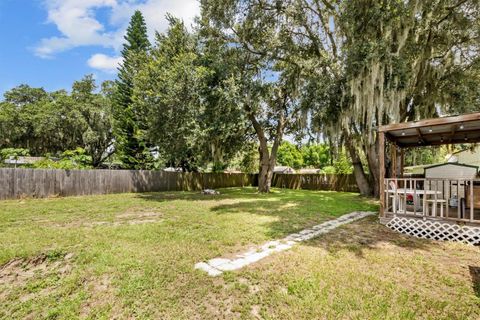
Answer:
[(220, 307), (101, 297), (136, 215), (132, 216), (19, 270), (29, 296), (253, 288), (118, 223), (139, 215), (255, 311)]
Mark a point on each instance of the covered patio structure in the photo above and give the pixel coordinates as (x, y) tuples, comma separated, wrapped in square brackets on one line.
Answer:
[(445, 207)]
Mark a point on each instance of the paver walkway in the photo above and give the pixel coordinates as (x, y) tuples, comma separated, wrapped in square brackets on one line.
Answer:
[(216, 266)]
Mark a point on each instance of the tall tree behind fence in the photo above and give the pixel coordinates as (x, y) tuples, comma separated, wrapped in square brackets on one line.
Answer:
[(40, 183), (334, 182)]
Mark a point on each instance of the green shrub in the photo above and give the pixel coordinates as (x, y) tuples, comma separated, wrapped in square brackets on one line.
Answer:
[(69, 159), (328, 170), (14, 153)]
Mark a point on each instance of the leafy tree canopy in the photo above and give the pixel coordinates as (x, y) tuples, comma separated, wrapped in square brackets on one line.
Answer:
[(49, 123), (289, 155)]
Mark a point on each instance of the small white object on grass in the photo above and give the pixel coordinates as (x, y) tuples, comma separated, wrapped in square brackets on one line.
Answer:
[(210, 191)]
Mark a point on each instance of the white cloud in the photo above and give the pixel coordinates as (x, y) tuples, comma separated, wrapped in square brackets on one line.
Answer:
[(78, 25), (103, 62), (49, 46), (75, 19)]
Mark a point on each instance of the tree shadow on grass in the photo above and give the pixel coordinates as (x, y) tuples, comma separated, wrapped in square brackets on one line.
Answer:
[(368, 234), (228, 193), (292, 211), (288, 215), (475, 274), (356, 237)]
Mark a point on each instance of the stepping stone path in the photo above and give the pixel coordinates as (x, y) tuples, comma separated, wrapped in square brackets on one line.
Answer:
[(217, 266)]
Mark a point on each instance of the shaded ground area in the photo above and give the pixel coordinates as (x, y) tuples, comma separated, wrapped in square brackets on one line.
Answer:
[(85, 258)]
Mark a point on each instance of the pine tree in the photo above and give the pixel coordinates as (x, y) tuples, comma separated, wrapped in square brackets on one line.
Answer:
[(129, 125)]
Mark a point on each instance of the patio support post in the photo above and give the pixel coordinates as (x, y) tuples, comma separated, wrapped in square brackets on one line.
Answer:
[(394, 160), (402, 161), (381, 179)]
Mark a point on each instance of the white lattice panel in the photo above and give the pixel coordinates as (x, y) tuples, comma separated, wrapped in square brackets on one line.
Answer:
[(436, 230)]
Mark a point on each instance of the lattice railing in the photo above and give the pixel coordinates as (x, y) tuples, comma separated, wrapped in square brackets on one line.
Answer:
[(436, 230)]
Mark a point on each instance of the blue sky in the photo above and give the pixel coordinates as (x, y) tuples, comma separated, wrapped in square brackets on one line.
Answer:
[(51, 43)]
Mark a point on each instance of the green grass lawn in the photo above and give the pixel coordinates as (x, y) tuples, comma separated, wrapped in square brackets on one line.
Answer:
[(130, 256)]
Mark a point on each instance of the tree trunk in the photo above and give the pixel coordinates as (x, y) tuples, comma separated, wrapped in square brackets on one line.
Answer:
[(360, 177), (373, 166), (268, 159), (265, 173)]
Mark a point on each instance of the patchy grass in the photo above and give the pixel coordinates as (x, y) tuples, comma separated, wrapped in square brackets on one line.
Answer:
[(132, 256)]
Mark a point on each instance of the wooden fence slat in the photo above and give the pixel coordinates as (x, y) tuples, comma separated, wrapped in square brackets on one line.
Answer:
[(6, 184)]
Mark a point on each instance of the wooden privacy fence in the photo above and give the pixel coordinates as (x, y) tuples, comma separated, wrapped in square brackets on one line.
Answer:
[(40, 183), (334, 182), (20, 182)]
